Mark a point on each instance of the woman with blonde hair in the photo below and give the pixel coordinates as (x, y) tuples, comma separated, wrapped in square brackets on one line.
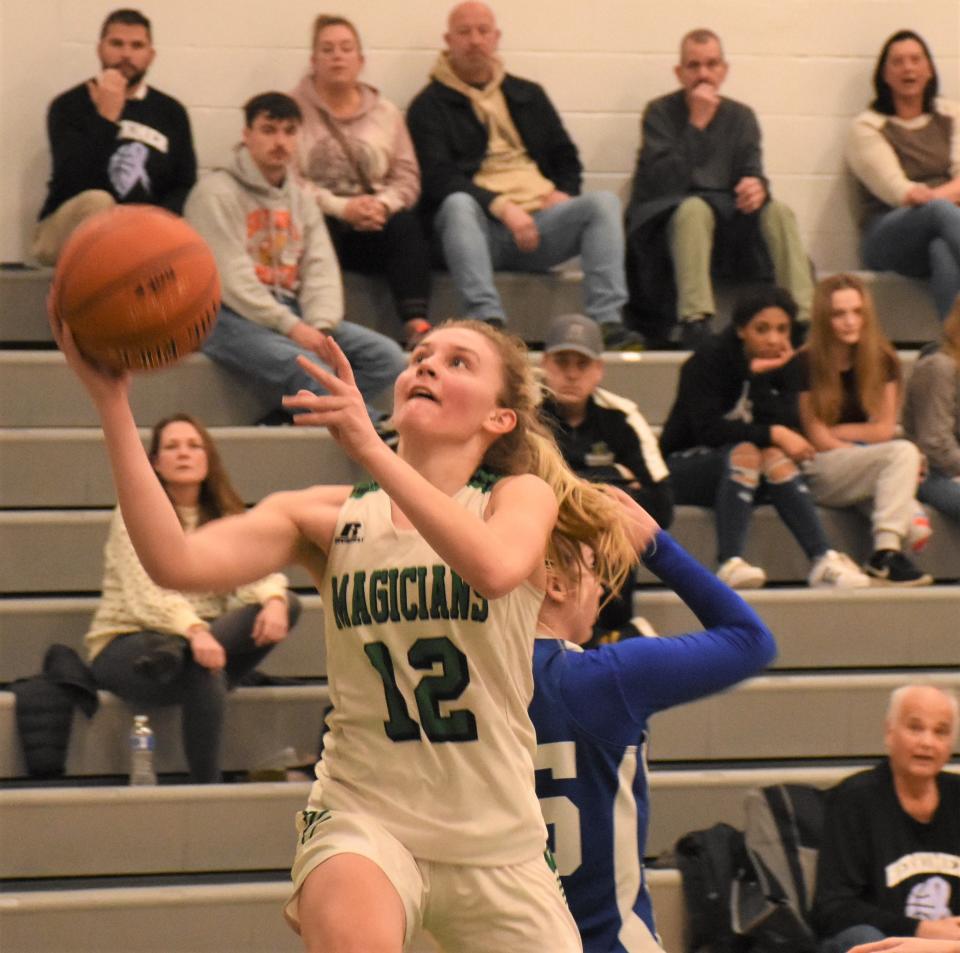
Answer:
[(931, 418), (357, 159), (156, 646), (432, 577), (850, 394)]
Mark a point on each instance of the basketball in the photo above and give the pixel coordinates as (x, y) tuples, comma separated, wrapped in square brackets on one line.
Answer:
[(137, 286)]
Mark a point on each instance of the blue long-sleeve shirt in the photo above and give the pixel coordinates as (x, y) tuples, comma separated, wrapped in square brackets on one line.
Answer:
[(591, 710)]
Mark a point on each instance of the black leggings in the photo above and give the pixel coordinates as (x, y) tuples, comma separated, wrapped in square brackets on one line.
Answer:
[(200, 692), (399, 251)]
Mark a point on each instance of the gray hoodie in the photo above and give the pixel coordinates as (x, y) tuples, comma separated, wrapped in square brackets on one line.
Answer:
[(268, 241)]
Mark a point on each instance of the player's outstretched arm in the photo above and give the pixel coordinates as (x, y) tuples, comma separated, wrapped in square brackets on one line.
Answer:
[(218, 557), (495, 554)]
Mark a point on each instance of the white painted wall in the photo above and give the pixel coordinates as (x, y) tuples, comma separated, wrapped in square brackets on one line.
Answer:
[(804, 65)]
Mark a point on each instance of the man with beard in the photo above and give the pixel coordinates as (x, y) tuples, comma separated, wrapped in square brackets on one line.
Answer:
[(282, 294), (114, 139), (501, 181)]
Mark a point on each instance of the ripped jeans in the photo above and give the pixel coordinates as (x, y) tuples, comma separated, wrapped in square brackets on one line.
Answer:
[(734, 479)]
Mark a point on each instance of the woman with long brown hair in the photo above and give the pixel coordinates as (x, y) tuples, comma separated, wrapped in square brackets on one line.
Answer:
[(931, 418), (154, 646), (850, 394)]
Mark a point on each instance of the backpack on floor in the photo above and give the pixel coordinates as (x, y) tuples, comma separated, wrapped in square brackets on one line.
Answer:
[(709, 861), (772, 897)]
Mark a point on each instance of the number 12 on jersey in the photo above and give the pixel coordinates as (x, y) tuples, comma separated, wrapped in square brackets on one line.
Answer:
[(447, 685)]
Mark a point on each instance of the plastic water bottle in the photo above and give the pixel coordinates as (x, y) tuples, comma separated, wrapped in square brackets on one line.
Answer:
[(141, 752)]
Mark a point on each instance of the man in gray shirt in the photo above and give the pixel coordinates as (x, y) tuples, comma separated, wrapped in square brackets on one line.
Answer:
[(701, 203)]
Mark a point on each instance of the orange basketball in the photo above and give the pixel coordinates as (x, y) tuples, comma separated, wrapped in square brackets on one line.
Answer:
[(137, 286)]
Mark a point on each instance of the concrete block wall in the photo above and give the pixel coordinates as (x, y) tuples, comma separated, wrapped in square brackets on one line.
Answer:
[(804, 65)]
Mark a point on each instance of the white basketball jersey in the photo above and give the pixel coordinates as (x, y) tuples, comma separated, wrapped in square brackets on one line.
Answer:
[(430, 684)]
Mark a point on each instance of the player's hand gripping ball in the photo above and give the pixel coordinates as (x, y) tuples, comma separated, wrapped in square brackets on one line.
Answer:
[(137, 286)]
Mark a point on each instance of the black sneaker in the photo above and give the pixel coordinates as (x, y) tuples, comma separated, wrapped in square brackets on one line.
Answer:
[(618, 338), (891, 568), (693, 333)]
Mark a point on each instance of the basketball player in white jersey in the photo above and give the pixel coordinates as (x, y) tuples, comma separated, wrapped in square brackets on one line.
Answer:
[(424, 812)]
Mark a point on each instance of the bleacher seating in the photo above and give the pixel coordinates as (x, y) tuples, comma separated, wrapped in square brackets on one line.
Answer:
[(215, 855)]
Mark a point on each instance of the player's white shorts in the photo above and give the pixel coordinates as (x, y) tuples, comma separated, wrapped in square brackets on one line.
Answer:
[(511, 909)]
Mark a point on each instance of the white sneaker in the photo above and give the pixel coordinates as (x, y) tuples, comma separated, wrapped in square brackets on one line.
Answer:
[(838, 571), (737, 573)]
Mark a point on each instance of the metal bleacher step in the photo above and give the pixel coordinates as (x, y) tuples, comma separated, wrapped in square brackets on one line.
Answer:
[(67, 466), (84, 832), (775, 716), (38, 390), (530, 300), (62, 550), (904, 305), (863, 629), (261, 723), (237, 918)]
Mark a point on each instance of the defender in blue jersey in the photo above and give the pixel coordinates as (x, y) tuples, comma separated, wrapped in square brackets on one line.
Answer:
[(590, 711)]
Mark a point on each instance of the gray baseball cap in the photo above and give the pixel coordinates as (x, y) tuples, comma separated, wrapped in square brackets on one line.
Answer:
[(574, 332)]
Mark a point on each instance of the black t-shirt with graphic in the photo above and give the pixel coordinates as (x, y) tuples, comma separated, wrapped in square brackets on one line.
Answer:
[(880, 866), (146, 156)]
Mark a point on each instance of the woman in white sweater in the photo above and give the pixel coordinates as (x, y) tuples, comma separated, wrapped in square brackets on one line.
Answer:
[(156, 647), (905, 150)]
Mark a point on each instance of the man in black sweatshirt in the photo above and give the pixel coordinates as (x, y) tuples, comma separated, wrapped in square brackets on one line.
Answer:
[(889, 864), (114, 139)]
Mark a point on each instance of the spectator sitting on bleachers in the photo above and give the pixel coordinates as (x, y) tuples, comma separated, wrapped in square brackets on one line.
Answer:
[(905, 151), (700, 198), (850, 382), (931, 418), (501, 181), (889, 861), (157, 647), (591, 712), (357, 160), (279, 274), (114, 139), (603, 437), (732, 441)]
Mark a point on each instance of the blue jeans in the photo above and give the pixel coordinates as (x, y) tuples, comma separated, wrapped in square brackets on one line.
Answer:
[(942, 493), (920, 242), (702, 477), (475, 246), (268, 358), (851, 937)]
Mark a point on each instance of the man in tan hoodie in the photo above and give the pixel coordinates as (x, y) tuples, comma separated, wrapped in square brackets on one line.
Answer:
[(501, 181), (282, 292)]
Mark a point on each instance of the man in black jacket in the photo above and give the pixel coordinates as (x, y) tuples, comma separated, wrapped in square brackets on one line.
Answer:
[(501, 181), (114, 139)]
